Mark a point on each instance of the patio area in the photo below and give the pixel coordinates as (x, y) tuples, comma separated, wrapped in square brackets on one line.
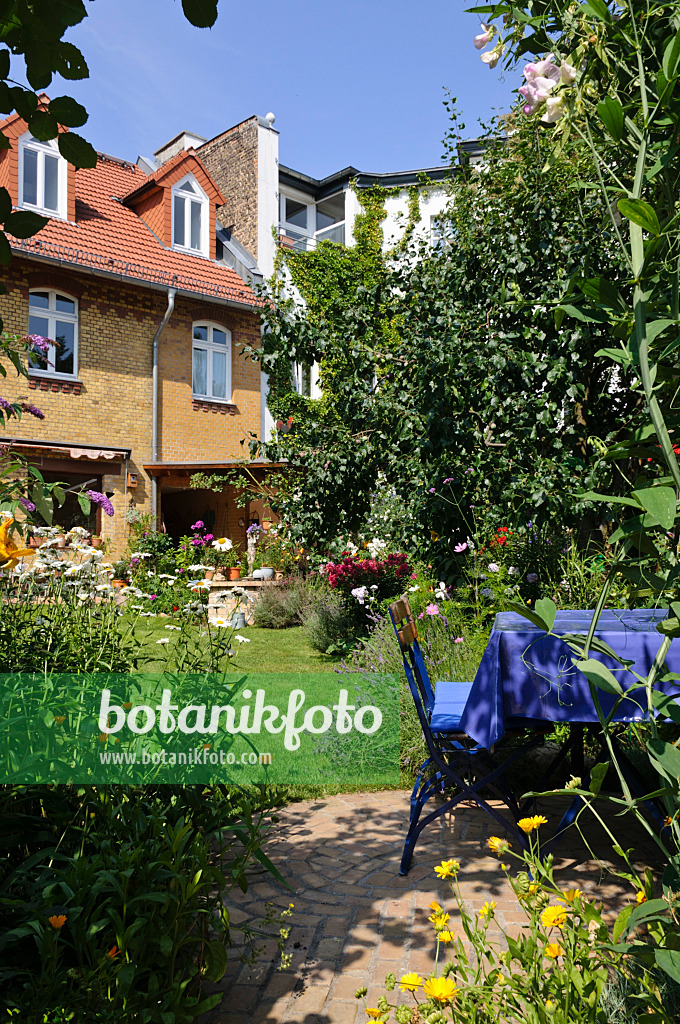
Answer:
[(356, 919)]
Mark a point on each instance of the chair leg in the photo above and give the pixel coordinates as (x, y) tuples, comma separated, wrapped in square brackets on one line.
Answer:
[(424, 788)]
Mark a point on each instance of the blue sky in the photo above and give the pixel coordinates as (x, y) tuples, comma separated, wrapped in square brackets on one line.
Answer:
[(354, 83)]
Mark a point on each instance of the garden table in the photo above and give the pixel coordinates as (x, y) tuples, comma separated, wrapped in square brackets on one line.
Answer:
[(526, 677)]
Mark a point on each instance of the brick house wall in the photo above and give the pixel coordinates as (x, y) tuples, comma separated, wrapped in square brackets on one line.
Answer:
[(116, 325), (231, 160)]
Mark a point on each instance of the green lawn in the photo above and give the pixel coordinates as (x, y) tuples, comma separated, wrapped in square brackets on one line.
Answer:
[(269, 650)]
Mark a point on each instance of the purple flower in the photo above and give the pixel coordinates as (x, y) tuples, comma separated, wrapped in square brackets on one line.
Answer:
[(28, 505), (198, 525), (33, 410), (197, 542), (7, 406), (459, 548), (449, 480), (209, 537), (100, 499), (39, 343), (532, 577), (431, 490)]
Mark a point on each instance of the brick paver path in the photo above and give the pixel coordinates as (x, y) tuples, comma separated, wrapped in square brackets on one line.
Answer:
[(356, 919)]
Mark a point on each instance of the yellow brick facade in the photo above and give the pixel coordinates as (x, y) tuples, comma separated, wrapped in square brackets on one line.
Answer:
[(116, 325)]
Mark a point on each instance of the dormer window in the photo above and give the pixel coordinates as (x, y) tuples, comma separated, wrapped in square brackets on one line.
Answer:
[(42, 177), (190, 212)]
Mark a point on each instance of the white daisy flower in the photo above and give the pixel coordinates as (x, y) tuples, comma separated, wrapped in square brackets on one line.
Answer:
[(178, 628), (221, 622), (222, 544), (163, 640), (241, 639)]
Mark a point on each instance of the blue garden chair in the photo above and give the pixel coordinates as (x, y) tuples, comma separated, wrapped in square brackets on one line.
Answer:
[(456, 768)]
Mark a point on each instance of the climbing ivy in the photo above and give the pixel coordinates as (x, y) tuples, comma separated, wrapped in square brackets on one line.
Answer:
[(437, 364)]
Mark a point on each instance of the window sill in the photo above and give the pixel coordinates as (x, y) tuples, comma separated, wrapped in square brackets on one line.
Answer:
[(46, 382), (50, 214), (215, 405)]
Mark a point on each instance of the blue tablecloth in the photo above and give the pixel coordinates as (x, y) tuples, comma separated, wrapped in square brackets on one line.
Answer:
[(526, 676)]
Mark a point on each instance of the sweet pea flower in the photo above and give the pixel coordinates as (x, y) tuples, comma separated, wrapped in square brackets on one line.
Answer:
[(491, 57), (567, 73), (484, 37), (459, 548), (554, 109)]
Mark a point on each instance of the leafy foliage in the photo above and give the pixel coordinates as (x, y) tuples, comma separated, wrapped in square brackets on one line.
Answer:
[(447, 365)]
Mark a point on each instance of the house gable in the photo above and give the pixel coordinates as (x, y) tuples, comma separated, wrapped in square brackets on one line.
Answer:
[(152, 201)]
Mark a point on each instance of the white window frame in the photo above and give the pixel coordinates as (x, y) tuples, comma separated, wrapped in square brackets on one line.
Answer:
[(53, 316), (209, 347), (42, 149), (202, 198), (321, 233), (299, 370)]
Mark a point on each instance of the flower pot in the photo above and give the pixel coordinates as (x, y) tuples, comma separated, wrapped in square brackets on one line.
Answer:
[(118, 584), (95, 541), (278, 575), (36, 542), (257, 574), (209, 573), (267, 573), (238, 620), (61, 541), (266, 524), (234, 572)]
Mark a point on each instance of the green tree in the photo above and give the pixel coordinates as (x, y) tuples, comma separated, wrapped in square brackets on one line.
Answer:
[(448, 364)]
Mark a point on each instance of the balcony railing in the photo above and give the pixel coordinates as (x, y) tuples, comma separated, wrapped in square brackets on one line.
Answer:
[(289, 238)]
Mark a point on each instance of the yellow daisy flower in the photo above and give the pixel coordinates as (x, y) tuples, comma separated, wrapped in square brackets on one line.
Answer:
[(439, 920), (410, 982), (373, 1012), (488, 909), (447, 869), (497, 845), (445, 936), (553, 950), (553, 917), (435, 906), (442, 990), (529, 824), (640, 897), (57, 920), (570, 895)]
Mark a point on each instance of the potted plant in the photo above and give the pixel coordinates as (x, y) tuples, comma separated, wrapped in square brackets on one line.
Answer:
[(229, 557), (121, 574)]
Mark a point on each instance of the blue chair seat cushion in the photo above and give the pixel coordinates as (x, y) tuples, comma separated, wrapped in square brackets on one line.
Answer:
[(449, 702)]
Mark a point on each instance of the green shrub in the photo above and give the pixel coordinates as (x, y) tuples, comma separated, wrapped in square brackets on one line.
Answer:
[(283, 605), (113, 901), (329, 626)]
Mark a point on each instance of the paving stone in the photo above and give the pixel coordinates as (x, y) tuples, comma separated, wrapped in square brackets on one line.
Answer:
[(356, 919)]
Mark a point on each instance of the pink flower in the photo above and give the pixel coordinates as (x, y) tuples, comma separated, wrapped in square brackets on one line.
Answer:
[(458, 640), (459, 548), (421, 615), (484, 37), (432, 609), (413, 576)]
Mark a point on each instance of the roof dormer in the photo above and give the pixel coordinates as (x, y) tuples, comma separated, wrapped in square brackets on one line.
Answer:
[(178, 202), (35, 173)]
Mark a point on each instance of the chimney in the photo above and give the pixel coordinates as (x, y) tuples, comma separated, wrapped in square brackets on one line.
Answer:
[(185, 140)]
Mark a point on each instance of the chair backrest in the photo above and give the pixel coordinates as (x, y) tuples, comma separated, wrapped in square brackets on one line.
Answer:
[(412, 656)]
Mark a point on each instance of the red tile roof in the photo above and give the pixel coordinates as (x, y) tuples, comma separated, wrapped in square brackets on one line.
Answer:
[(110, 237)]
